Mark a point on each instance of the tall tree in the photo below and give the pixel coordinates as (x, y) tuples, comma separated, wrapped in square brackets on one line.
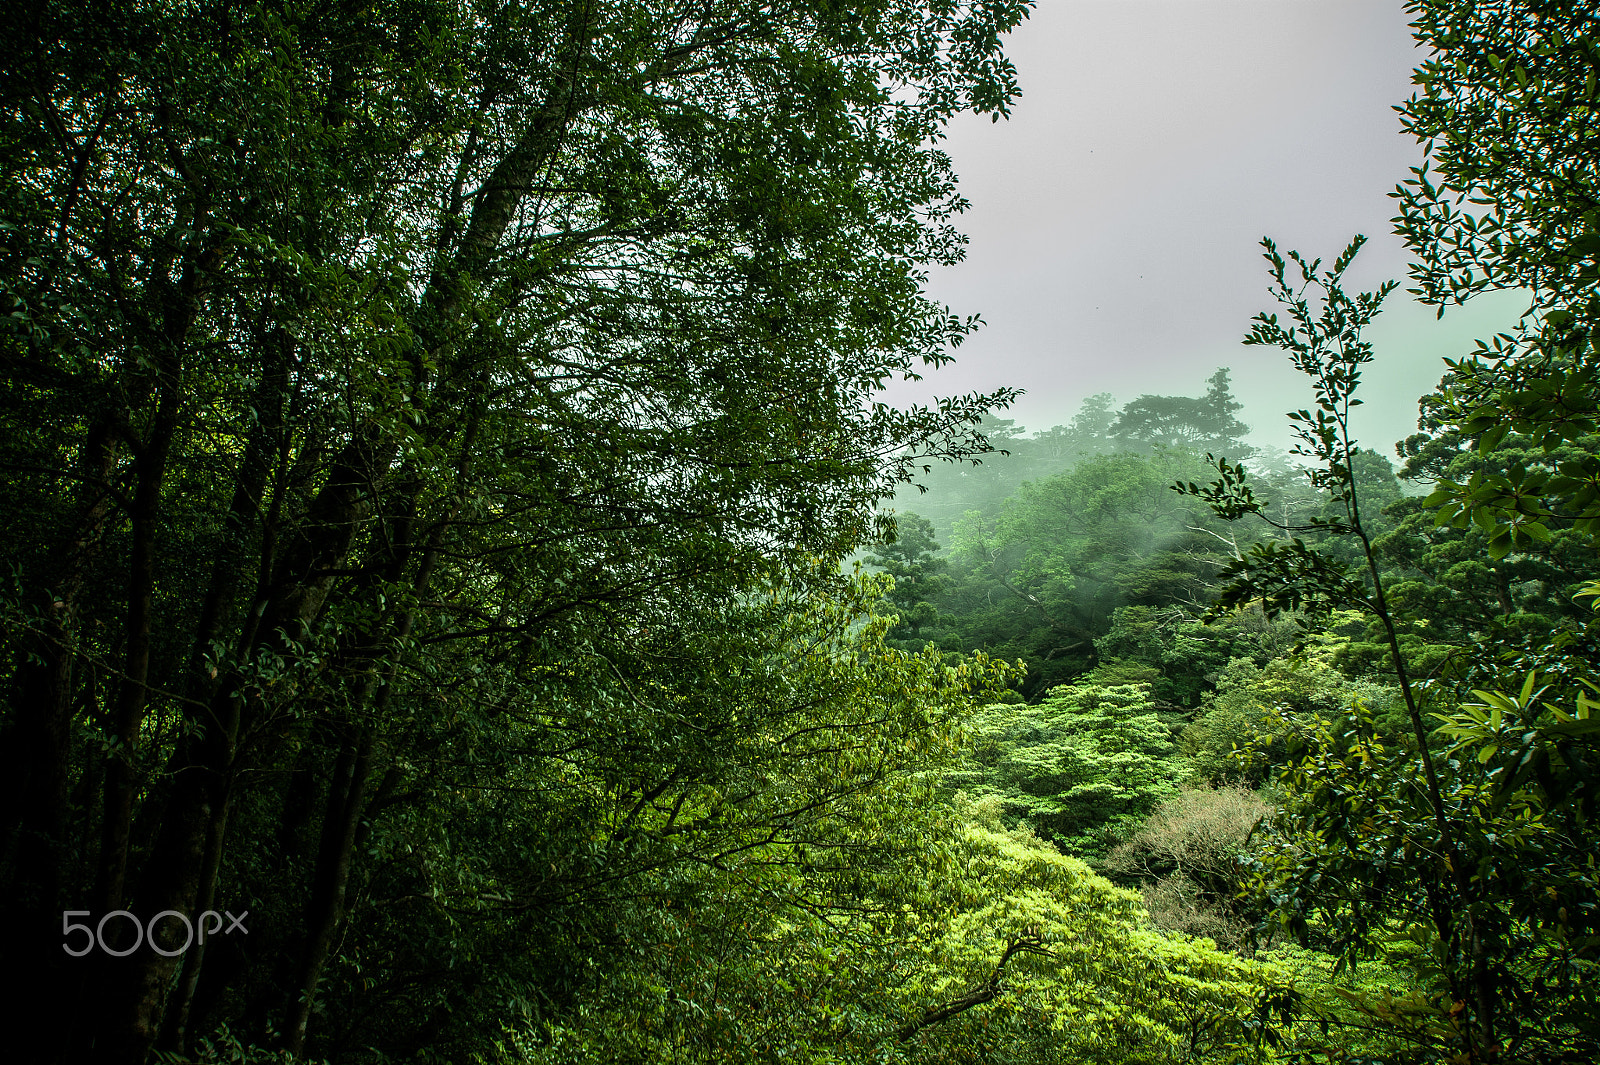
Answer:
[(357, 360), (1507, 199), (919, 577), (1087, 435), (1161, 422), (1206, 424)]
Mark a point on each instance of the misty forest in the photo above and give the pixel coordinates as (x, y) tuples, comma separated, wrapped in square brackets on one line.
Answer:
[(465, 598)]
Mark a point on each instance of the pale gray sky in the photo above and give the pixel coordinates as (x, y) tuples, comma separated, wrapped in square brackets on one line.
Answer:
[(1115, 217)]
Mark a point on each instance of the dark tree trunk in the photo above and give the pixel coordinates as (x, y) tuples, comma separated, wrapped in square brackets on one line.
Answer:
[(265, 442), (197, 810), (133, 690), (175, 1026), (35, 773), (346, 801)]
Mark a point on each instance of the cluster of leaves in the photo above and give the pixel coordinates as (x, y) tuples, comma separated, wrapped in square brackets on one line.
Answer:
[(1082, 768), (1014, 952), (1450, 574), (1505, 110), (1501, 913), (1249, 700)]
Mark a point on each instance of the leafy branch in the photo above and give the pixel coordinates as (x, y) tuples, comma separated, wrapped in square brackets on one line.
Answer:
[(1323, 338)]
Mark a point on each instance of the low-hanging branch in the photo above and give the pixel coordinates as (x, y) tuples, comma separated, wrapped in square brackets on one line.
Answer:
[(987, 991)]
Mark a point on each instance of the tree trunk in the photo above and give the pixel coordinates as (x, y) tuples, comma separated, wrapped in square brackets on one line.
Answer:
[(35, 754), (346, 801), (264, 443), (150, 471), (35, 772), (175, 1027), (197, 810)]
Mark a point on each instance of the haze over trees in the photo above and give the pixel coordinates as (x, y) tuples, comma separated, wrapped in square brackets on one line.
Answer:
[(434, 436)]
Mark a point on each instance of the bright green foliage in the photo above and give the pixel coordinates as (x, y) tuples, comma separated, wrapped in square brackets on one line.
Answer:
[(1082, 768), (1249, 699), (1095, 983), (1011, 953), (750, 910)]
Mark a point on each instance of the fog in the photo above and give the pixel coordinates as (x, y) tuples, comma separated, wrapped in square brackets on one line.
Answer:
[(1116, 217)]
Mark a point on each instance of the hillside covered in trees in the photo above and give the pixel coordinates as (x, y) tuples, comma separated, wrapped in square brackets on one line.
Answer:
[(435, 441)]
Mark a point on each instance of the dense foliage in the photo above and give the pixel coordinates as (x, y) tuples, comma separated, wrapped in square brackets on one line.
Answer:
[(1082, 768), (407, 413), (435, 436)]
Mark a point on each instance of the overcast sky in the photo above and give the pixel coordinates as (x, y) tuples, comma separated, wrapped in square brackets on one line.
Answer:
[(1115, 218)]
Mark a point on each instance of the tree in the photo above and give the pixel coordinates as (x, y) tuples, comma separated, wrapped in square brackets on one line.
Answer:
[(370, 372), (1374, 835), (1506, 199), (1449, 574), (1091, 981), (1251, 700), (786, 867), (1043, 578), (1202, 425), (919, 577), (1187, 858), (1180, 657), (944, 493), (1324, 343), (1500, 925), (1082, 768), (1470, 954), (1087, 435)]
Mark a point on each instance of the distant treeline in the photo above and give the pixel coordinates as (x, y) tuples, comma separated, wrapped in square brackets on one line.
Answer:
[(1074, 553), (1209, 423)]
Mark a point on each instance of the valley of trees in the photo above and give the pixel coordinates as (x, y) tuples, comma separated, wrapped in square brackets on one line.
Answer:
[(436, 439)]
